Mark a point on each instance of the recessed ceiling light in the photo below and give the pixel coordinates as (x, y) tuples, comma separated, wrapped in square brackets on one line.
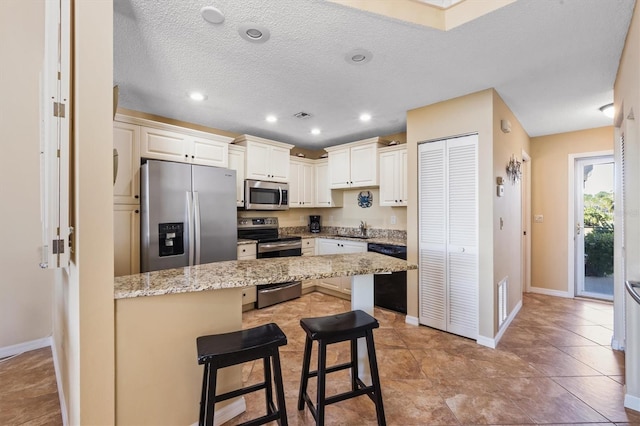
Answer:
[(212, 15), (358, 56), (197, 96), (608, 110), (271, 118), (253, 32), (365, 117), (315, 131)]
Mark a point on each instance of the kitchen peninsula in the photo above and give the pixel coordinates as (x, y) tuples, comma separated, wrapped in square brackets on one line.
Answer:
[(159, 315)]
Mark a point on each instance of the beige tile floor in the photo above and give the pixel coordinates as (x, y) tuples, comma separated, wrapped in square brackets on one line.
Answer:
[(553, 366)]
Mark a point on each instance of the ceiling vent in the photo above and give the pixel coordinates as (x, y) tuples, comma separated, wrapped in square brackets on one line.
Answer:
[(302, 115)]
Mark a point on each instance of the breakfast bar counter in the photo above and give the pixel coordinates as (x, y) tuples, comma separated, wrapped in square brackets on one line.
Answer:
[(160, 314)]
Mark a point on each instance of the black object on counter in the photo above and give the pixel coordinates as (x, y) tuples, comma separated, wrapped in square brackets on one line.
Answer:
[(314, 224)]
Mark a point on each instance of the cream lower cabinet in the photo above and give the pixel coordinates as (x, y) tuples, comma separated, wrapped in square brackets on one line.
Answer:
[(249, 294), (126, 239), (331, 246), (308, 249)]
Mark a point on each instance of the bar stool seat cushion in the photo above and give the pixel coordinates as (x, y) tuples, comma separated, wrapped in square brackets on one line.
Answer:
[(343, 325)]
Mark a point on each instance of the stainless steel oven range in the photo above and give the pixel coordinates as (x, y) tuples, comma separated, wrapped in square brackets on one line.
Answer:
[(265, 231)]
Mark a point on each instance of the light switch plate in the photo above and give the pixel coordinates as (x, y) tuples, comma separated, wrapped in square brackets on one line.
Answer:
[(538, 218)]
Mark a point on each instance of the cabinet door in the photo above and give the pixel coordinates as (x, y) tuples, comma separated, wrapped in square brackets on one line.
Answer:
[(350, 247), (323, 195), (339, 169), (279, 164), (308, 187), (388, 178), (164, 145), (126, 239), (327, 246), (236, 162), (257, 161), (403, 192), (246, 251), (209, 152), (364, 165), (126, 143), (296, 185)]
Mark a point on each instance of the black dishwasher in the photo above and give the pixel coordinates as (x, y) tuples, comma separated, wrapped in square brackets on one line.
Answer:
[(390, 290)]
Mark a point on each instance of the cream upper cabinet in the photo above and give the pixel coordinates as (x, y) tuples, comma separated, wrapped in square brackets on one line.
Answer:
[(301, 185), (236, 162), (126, 170), (265, 159), (393, 176), (184, 145), (354, 165), (324, 197), (126, 239)]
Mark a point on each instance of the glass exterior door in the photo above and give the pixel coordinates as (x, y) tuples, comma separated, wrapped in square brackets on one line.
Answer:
[(594, 227)]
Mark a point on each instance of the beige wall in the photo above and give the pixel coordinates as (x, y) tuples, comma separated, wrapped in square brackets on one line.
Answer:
[(468, 114), (550, 198), (84, 306), (627, 101), (26, 290), (507, 242)]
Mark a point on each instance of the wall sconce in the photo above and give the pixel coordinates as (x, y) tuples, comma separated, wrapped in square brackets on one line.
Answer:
[(514, 172)]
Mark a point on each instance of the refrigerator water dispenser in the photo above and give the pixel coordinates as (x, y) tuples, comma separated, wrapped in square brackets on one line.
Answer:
[(171, 239)]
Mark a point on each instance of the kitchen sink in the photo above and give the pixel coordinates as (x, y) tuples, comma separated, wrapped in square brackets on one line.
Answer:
[(360, 237)]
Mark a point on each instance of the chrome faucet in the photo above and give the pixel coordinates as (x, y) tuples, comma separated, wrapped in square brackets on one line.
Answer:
[(363, 228)]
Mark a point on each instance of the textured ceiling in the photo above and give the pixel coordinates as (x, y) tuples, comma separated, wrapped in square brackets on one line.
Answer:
[(553, 62)]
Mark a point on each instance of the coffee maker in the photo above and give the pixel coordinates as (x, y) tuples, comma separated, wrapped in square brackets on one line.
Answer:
[(314, 224)]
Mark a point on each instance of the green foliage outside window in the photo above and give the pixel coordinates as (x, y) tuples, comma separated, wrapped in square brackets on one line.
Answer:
[(598, 239)]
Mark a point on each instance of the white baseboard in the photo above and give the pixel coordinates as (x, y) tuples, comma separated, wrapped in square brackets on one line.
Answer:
[(632, 402), (493, 343), (550, 292), (228, 412), (61, 396), (411, 320), (25, 347)]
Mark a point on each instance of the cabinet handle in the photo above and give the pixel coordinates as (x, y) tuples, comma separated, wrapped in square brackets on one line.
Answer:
[(193, 156), (136, 196), (186, 156)]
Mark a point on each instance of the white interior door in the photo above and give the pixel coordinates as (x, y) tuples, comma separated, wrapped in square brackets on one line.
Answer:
[(593, 227)]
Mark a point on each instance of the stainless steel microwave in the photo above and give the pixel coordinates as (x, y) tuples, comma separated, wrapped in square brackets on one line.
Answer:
[(263, 195)]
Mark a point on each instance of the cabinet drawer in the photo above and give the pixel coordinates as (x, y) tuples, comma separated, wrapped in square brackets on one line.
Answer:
[(246, 251), (308, 251), (249, 295)]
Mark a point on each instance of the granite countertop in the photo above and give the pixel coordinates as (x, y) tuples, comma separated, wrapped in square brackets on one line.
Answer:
[(245, 273), (242, 241)]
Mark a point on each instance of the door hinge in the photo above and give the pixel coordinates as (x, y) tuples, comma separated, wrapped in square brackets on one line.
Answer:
[(58, 246), (58, 109), (525, 233)]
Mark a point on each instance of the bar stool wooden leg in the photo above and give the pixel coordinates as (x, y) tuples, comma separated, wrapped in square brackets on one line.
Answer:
[(354, 364), (322, 382), (304, 380), (375, 378), (282, 406), (211, 397), (266, 362)]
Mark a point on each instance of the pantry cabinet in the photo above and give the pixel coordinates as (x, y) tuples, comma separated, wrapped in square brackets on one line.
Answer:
[(126, 239), (354, 165), (265, 159), (393, 176), (301, 185), (324, 196), (160, 144), (236, 162), (126, 163), (332, 246)]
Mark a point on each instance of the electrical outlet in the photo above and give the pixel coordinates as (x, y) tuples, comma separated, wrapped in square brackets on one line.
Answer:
[(393, 219), (538, 218)]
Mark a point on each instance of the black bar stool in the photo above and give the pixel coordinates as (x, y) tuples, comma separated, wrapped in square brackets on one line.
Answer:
[(333, 329), (224, 350)]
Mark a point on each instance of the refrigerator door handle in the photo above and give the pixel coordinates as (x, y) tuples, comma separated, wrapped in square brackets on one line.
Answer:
[(191, 228), (196, 230)]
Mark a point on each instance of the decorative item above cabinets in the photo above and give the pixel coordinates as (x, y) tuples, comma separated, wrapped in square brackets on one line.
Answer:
[(265, 159), (355, 164)]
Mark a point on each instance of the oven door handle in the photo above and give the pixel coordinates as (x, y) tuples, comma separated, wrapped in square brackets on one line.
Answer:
[(269, 247), (283, 287)]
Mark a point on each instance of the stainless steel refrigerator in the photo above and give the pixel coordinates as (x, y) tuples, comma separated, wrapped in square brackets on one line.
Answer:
[(188, 215)]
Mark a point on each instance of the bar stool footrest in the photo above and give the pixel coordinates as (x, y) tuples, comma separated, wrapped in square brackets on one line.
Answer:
[(332, 369), (240, 392)]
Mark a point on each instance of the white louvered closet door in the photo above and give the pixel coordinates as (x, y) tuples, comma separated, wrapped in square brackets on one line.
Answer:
[(449, 235)]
